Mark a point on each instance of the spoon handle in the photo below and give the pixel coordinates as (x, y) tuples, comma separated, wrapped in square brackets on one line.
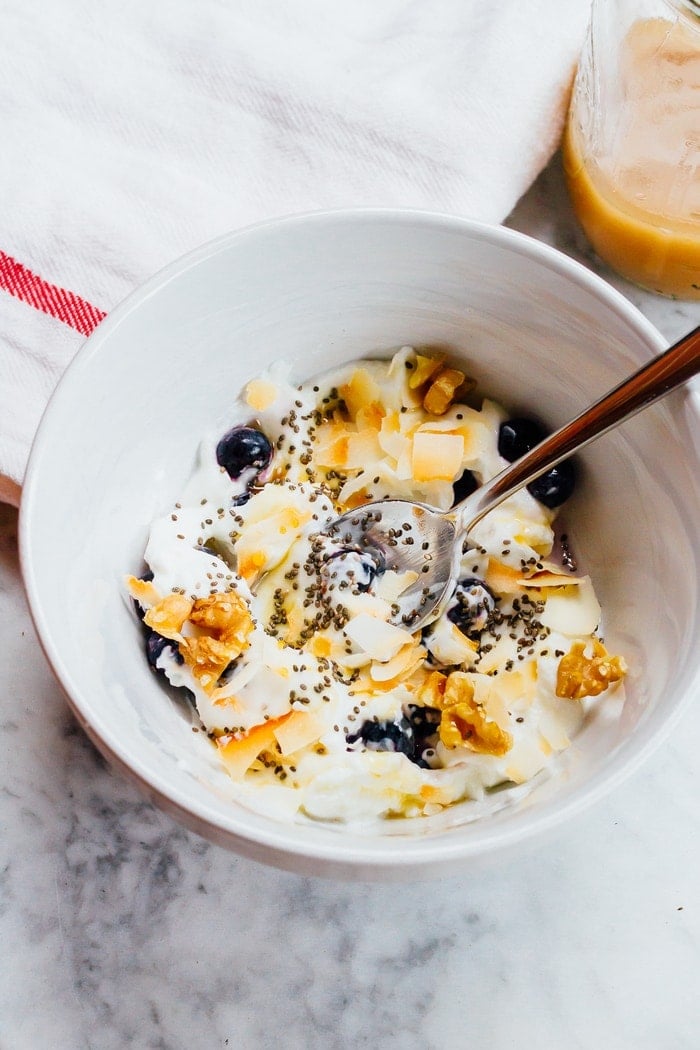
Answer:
[(651, 382)]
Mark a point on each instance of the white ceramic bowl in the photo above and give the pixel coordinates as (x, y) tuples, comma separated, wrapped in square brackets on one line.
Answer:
[(540, 333)]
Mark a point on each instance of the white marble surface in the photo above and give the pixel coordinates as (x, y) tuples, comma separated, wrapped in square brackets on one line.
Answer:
[(118, 928)]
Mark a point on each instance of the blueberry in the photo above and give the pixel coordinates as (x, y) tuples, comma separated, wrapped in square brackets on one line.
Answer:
[(243, 448), (518, 436), (464, 486), (425, 722), (470, 606), (555, 486), (409, 735), (156, 644), (355, 569), (386, 736)]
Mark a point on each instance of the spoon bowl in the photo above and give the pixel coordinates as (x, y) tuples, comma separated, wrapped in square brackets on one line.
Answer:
[(427, 544), (410, 538)]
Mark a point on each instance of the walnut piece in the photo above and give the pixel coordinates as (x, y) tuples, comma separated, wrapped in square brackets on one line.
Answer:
[(168, 615), (223, 623), (464, 722), (225, 616), (423, 369), (441, 391), (579, 675)]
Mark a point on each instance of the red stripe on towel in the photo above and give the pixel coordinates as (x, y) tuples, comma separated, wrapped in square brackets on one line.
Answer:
[(65, 306)]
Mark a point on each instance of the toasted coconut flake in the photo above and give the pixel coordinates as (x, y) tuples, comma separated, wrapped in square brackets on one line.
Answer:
[(353, 489), (432, 689), (168, 616), (380, 640), (143, 591), (404, 464), (391, 423), (572, 610), (411, 420), (239, 752), (362, 448), (579, 675), (370, 416), (518, 686), (407, 657), (355, 500), (299, 730), (353, 660), (266, 542), (435, 796), (449, 645), (440, 426), (320, 645), (437, 457), (331, 445), (391, 584), (361, 390), (475, 435), (391, 441), (251, 564), (260, 394), (226, 697), (506, 579), (488, 696), (526, 759), (338, 453), (551, 576), (502, 578), (367, 684)]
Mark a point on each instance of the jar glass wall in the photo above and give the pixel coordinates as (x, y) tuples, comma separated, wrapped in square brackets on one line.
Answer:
[(632, 142)]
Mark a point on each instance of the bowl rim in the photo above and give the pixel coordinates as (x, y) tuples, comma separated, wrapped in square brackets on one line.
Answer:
[(376, 852)]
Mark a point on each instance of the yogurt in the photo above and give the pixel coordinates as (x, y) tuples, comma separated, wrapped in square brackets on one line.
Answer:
[(319, 705)]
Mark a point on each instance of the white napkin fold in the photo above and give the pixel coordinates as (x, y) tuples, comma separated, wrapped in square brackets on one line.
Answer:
[(132, 132)]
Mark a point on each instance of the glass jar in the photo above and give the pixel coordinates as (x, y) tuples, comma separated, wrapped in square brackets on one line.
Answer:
[(632, 142)]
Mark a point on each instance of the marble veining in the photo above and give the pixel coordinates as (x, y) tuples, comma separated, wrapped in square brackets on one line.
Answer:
[(118, 928)]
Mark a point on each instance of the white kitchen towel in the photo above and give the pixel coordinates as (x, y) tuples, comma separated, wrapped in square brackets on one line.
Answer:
[(130, 132)]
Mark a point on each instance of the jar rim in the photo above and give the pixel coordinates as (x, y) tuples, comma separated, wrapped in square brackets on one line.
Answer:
[(689, 7)]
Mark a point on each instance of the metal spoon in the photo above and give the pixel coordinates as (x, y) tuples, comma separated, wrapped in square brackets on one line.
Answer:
[(436, 538)]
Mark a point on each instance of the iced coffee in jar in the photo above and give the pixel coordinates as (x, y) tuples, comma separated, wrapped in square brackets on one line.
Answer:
[(632, 142)]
